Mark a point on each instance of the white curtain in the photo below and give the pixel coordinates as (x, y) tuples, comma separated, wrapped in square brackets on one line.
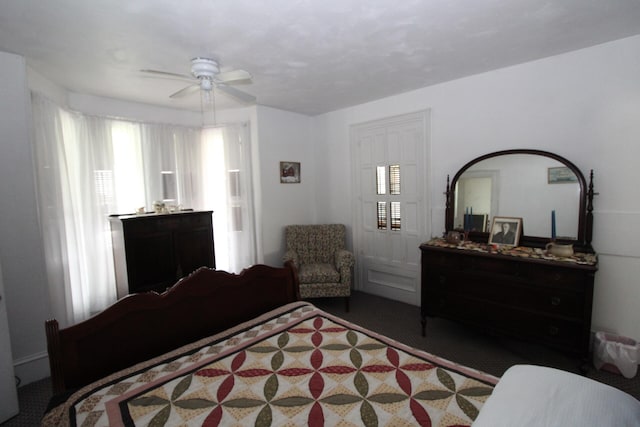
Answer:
[(90, 167), (228, 176)]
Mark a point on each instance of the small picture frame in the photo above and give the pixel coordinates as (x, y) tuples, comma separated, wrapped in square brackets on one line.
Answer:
[(505, 231), (479, 222), (561, 175), (289, 172)]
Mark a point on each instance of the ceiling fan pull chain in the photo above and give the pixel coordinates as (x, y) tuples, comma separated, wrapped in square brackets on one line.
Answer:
[(207, 102), (213, 104), (202, 106)]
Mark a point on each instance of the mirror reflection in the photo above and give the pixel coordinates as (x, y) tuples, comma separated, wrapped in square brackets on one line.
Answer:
[(528, 186)]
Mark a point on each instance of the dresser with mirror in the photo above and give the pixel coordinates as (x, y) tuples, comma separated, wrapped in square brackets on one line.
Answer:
[(525, 291)]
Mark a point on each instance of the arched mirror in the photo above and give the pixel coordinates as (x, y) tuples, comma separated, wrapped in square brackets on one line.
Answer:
[(546, 190)]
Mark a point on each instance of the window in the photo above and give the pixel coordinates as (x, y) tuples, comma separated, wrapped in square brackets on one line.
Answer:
[(394, 180), (382, 215), (235, 192), (103, 180), (381, 180), (394, 210), (234, 183), (169, 188), (395, 215)]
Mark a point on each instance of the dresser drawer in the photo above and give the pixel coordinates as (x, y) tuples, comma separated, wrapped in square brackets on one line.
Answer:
[(141, 225), (506, 320), (496, 266), (517, 293), (565, 278), (442, 260)]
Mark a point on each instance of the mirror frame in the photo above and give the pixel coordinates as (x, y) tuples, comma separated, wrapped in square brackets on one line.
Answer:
[(585, 221)]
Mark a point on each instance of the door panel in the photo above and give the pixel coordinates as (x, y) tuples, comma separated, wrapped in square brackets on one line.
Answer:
[(390, 225)]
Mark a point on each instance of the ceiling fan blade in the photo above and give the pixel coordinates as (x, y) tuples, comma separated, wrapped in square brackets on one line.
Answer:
[(232, 76), (159, 73), (238, 94), (186, 91)]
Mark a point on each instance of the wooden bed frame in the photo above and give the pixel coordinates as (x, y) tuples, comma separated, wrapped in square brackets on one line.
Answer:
[(145, 325)]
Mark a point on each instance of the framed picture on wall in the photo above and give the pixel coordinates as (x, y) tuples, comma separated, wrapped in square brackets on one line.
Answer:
[(561, 175), (505, 231), (289, 172)]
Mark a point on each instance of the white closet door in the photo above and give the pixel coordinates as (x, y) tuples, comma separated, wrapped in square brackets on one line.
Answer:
[(391, 208), (9, 400)]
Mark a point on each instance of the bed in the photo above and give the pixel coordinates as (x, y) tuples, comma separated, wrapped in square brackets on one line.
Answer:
[(224, 349), (531, 396)]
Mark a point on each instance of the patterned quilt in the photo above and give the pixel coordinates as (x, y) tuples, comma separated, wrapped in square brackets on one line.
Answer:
[(293, 366)]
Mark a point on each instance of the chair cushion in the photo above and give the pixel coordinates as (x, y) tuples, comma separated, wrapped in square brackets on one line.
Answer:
[(318, 273), (315, 243), (323, 290)]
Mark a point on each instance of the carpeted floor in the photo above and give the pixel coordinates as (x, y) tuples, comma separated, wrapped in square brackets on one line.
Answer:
[(402, 323), (33, 399)]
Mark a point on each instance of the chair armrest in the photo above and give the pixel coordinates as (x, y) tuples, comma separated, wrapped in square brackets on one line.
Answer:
[(343, 259), (291, 256)]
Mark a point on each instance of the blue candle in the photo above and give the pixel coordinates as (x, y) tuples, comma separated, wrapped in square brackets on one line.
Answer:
[(471, 218), (466, 219), (553, 225)]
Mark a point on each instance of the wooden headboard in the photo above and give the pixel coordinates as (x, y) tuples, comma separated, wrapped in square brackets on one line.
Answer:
[(145, 325)]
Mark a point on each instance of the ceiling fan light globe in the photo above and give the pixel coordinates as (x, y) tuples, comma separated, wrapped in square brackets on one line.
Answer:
[(206, 84), (204, 67)]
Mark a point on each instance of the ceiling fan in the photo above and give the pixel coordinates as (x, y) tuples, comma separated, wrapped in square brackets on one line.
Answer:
[(206, 75)]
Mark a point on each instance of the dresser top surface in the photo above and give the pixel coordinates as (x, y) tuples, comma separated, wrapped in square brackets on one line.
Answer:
[(151, 215), (521, 252)]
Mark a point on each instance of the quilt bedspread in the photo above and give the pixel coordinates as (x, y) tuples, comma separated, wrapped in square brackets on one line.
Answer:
[(294, 366)]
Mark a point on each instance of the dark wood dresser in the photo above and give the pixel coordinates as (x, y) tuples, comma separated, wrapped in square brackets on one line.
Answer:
[(516, 292), (152, 251)]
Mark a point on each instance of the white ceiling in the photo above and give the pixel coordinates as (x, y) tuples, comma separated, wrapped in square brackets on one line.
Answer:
[(307, 56)]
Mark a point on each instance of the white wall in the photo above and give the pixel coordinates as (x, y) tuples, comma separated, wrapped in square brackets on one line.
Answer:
[(581, 105), (38, 83), (284, 136), (21, 250)]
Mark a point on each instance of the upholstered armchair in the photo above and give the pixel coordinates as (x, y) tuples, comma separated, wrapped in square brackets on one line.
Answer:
[(324, 265)]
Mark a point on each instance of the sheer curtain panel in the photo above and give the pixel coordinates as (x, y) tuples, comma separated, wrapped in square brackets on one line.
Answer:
[(75, 189), (227, 176)]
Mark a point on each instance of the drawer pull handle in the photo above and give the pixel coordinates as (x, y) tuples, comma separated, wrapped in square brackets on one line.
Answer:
[(555, 301), (554, 330), (442, 279), (557, 277)]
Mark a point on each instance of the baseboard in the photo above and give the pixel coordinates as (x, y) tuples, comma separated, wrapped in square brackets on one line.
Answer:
[(32, 368)]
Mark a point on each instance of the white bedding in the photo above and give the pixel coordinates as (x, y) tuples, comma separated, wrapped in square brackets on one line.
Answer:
[(528, 395)]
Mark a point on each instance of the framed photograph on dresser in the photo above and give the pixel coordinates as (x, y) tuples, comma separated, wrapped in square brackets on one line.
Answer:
[(505, 231)]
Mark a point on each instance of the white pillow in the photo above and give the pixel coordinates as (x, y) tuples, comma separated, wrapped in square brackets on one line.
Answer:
[(528, 395)]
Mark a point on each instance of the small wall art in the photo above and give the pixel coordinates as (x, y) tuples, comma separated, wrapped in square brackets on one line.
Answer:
[(561, 175), (289, 172)]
